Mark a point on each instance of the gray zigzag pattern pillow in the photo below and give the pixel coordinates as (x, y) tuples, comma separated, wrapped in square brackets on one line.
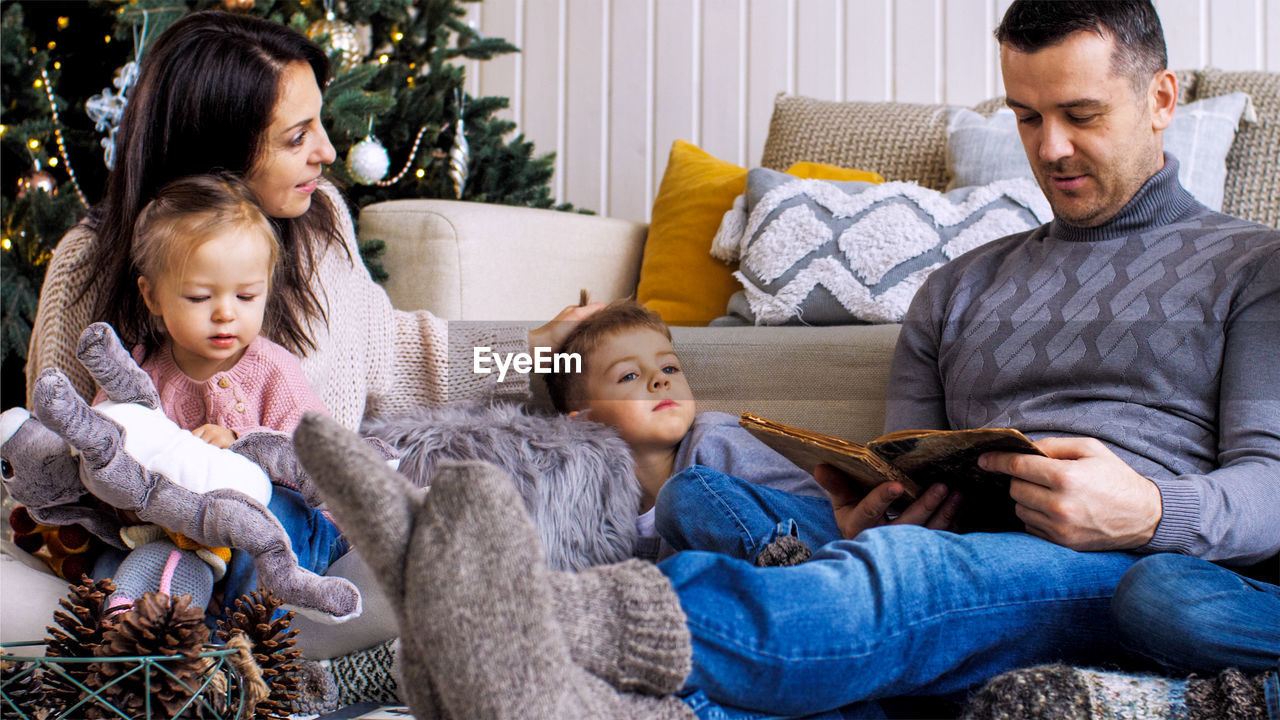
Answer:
[(817, 252)]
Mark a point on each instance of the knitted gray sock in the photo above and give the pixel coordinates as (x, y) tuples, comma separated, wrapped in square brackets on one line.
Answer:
[(490, 637), (1059, 692), (623, 623), (463, 567)]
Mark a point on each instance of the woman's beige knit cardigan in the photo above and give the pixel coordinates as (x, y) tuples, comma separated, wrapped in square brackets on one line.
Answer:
[(369, 360)]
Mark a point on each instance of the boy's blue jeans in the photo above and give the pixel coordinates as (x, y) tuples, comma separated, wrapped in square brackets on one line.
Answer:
[(900, 610), (1190, 615)]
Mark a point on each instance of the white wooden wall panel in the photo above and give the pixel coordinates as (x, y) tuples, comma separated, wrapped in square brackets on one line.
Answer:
[(768, 68), (868, 60), (586, 107), (630, 91), (608, 85), (722, 116)]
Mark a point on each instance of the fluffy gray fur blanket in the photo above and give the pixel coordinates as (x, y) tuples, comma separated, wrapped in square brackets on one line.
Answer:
[(576, 477)]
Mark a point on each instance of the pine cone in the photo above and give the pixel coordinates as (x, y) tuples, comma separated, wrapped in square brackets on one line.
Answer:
[(156, 625), (21, 684), (273, 649), (81, 623)]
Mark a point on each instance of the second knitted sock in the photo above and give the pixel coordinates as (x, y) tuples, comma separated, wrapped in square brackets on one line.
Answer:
[(1060, 692)]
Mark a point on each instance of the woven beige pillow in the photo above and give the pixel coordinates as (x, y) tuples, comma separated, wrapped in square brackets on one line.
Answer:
[(901, 141), (1252, 190)]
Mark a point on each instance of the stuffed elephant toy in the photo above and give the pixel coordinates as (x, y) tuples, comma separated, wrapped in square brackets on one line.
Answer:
[(124, 453)]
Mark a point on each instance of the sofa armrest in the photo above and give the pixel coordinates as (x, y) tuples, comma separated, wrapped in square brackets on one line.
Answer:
[(475, 261)]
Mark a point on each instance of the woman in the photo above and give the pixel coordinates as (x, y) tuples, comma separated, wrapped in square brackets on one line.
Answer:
[(236, 93), (242, 94)]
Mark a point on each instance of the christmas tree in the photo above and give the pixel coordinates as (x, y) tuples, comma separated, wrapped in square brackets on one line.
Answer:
[(396, 112)]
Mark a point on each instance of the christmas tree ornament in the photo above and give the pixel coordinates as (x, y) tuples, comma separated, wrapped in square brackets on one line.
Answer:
[(57, 134), (368, 161), (413, 152), (106, 108), (37, 180), (156, 625), (237, 5), (338, 36), (272, 644), (460, 153)]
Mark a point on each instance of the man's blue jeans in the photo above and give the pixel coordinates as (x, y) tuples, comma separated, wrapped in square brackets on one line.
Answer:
[(1190, 615), (900, 610)]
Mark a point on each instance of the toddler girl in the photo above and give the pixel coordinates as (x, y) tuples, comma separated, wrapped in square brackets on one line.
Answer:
[(205, 255)]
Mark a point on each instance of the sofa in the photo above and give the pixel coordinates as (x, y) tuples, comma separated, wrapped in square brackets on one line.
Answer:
[(471, 262)]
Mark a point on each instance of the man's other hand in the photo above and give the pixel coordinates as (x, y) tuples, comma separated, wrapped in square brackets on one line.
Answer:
[(1082, 496), (855, 513)]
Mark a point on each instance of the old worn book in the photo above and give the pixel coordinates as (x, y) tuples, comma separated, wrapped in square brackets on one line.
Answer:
[(914, 458)]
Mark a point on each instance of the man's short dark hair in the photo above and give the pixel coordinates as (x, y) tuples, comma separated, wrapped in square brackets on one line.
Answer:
[(1133, 26)]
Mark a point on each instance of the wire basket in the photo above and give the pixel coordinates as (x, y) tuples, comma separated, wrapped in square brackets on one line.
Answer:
[(218, 693)]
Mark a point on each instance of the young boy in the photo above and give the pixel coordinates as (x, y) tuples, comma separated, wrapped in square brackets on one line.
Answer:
[(631, 380)]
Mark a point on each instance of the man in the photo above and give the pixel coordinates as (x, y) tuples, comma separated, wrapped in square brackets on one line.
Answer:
[(1134, 336)]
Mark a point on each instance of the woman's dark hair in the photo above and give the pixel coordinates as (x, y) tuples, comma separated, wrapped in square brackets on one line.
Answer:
[(1133, 25), (203, 102)]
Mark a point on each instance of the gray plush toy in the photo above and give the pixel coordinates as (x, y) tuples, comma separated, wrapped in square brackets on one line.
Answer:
[(128, 455)]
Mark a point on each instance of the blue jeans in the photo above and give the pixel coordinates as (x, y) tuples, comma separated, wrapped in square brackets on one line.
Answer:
[(704, 509), (1190, 615), (315, 539), (899, 610)]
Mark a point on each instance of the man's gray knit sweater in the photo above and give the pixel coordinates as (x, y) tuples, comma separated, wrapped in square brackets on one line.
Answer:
[(1157, 333)]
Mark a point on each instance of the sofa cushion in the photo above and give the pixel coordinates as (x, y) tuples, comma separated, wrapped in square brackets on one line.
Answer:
[(981, 150), (815, 252), (1252, 190), (901, 141), (679, 279)]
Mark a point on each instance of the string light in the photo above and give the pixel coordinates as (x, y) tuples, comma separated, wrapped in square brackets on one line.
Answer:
[(63, 22), (52, 44), (53, 162), (421, 173), (398, 36), (57, 65), (37, 84), (106, 38), (3, 128), (33, 143), (57, 134), (6, 244), (383, 58), (412, 154)]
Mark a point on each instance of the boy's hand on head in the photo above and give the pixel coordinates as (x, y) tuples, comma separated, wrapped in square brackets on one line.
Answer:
[(215, 435), (935, 509), (553, 334)]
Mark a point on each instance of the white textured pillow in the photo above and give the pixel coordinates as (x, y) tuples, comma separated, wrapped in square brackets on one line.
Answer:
[(981, 150), (816, 252)]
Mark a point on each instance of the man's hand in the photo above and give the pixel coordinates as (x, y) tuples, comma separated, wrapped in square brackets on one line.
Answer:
[(854, 513), (553, 334), (1083, 496), (215, 435)]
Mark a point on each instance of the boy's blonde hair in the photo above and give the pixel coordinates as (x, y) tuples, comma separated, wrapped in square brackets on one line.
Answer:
[(190, 211), (617, 316)]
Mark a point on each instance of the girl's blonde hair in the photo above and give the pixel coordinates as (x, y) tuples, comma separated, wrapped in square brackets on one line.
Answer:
[(189, 212)]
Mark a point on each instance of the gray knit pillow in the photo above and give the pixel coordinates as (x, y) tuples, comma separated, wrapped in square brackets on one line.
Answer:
[(815, 252)]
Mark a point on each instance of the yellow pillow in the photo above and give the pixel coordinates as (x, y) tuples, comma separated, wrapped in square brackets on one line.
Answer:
[(678, 277)]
